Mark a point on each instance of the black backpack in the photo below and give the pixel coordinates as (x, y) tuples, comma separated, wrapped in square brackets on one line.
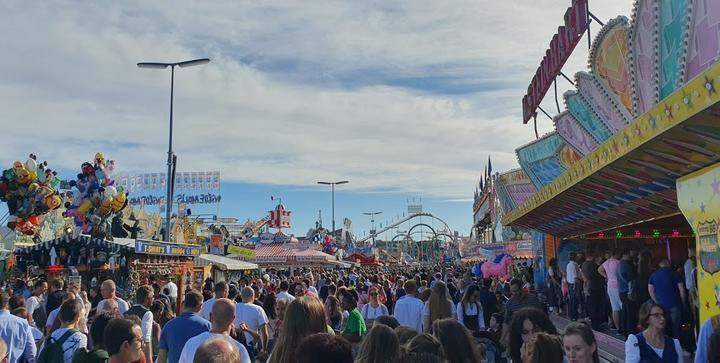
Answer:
[(52, 351)]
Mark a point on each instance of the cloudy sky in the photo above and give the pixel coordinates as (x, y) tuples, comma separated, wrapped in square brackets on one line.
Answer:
[(403, 98)]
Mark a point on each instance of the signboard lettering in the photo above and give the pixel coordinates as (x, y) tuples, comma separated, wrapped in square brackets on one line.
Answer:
[(164, 248), (561, 46)]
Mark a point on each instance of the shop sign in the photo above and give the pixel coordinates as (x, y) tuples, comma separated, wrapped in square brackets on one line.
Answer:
[(165, 248), (241, 251), (561, 46), (149, 200), (310, 258), (271, 259)]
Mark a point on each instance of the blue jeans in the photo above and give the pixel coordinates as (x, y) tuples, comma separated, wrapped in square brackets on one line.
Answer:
[(573, 305), (674, 316)]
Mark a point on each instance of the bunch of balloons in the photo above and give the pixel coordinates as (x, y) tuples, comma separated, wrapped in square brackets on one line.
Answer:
[(330, 245), (30, 191), (94, 199)]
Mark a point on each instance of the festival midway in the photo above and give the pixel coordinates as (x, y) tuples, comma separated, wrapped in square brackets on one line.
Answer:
[(360, 182)]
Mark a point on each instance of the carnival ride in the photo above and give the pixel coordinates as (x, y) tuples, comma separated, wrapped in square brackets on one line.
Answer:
[(432, 243)]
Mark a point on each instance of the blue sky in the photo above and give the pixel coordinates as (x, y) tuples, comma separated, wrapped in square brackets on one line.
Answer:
[(404, 99)]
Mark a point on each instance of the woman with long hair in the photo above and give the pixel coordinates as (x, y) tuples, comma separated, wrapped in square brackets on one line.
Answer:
[(457, 343), (542, 348), (269, 305), (381, 345), (651, 344), (373, 308), (304, 316), (580, 344), (333, 312), (438, 306), (469, 310), (525, 323)]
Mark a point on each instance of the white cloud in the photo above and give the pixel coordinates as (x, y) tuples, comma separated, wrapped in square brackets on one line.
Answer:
[(295, 91)]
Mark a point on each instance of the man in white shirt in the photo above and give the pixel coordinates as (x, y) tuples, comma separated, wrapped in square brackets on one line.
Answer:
[(108, 289), (144, 296), (221, 292), (250, 317), (409, 309), (222, 317), (173, 290), (571, 271), (36, 300), (284, 294)]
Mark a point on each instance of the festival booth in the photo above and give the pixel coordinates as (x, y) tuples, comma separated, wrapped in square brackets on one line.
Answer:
[(222, 268), (363, 259), (644, 116), (128, 262)]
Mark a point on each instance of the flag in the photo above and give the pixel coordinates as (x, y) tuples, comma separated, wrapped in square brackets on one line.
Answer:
[(489, 166)]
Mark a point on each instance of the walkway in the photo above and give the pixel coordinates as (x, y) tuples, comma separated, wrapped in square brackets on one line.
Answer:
[(611, 349)]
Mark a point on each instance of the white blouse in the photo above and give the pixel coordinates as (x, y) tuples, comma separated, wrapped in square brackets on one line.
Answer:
[(472, 309), (632, 350)]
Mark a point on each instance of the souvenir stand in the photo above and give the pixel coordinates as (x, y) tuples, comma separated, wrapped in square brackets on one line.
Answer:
[(128, 262)]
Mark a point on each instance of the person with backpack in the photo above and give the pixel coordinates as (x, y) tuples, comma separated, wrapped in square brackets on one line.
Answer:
[(61, 345), (98, 354)]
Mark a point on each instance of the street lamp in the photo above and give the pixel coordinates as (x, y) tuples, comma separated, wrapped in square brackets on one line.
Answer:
[(332, 185), (171, 158), (372, 221)]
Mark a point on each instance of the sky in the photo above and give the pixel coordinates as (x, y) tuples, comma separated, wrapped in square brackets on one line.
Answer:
[(405, 99)]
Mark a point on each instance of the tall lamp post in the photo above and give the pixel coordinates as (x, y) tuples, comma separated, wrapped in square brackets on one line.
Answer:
[(171, 157), (332, 188), (372, 221)]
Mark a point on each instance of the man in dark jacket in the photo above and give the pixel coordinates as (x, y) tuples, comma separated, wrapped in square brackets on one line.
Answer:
[(594, 290), (488, 301)]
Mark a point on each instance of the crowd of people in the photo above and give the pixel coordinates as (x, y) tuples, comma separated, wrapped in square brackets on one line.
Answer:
[(429, 314)]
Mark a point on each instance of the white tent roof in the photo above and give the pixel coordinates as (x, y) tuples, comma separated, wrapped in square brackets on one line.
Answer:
[(224, 263)]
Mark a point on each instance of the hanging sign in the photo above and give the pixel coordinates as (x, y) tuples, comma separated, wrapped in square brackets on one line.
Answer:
[(165, 248), (561, 46)]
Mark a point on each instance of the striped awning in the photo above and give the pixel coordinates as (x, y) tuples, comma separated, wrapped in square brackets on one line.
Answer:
[(224, 263), (284, 254)]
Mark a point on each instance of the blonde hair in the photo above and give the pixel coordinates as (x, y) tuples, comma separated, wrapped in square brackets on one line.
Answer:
[(438, 303)]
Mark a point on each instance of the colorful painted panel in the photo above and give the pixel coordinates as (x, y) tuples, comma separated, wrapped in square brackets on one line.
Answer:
[(547, 170), (704, 47), (602, 105), (699, 201), (582, 112), (539, 150), (609, 61), (644, 56), (513, 188), (574, 134), (673, 15)]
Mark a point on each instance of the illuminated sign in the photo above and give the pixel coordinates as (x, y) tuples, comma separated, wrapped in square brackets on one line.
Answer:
[(561, 46), (165, 248)]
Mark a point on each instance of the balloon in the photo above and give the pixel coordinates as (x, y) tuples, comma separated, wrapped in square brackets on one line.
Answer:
[(85, 207), (31, 165), (34, 220), (9, 174), (111, 191)]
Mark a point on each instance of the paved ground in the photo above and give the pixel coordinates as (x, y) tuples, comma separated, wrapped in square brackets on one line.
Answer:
[(611, 348)]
